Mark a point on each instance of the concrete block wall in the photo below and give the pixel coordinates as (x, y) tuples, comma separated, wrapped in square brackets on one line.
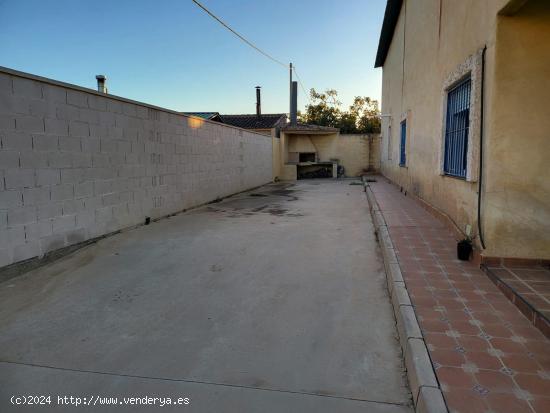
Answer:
[(76, 164), (359, 153), (374, 152)]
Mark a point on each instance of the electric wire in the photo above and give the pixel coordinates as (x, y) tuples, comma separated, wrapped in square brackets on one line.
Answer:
[(249, 43), (240, 36), (301, 84)]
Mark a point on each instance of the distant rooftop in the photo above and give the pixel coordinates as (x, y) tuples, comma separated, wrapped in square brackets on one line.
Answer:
[(254, 121), (264, 121)]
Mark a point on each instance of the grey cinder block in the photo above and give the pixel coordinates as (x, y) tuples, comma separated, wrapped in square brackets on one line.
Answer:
[(77, 98), (27, 88), (7, 122), (46, 143), (62, 192), (9, 159), (16, 140), (26, 250), (47, 177), (36, 196), (58, 127), (21, 215), (49, 210), (33, 160), (38, 230), (6, 83), (69, 144), (54, 94), (9, 199), (63, 224), (66, 112), (19, 178), (29, 124), (79, 129), (52, 242)]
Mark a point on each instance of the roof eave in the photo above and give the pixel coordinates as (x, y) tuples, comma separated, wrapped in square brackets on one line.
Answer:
[(391, 15)]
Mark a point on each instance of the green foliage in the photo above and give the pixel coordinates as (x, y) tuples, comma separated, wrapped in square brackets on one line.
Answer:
[(362, 116)]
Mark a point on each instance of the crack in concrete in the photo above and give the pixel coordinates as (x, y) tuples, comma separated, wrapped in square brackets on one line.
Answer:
[(239, 386)]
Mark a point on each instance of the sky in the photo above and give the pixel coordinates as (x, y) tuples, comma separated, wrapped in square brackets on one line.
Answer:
[(170, 53)]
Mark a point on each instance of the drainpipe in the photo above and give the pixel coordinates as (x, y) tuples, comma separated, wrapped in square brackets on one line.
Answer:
[(480, 187)]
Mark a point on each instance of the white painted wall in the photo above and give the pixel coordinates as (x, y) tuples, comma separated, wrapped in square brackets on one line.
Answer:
[(76, 164)]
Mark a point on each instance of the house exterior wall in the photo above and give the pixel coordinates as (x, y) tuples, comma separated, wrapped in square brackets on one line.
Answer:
[(518, 147), (76, 164), (435, 43)]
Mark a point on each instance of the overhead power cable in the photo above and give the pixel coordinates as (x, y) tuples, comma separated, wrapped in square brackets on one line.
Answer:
[(249, 43), (239, 36), (301, 84)]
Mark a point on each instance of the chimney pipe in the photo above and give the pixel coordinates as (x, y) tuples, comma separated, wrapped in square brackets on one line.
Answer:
[(294, 104), (258, 102), (101, 83)]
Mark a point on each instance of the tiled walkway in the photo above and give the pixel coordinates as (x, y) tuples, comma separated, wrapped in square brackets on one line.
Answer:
[(486, 354)]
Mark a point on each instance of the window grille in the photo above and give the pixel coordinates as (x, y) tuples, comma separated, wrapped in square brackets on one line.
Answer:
[(403, 146), (456, 129)]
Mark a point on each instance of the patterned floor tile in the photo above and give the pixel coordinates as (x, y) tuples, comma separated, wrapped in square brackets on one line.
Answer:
[(487, 354)]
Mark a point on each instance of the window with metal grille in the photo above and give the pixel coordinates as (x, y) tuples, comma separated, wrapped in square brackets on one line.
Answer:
[(456, 129), (403, 145)]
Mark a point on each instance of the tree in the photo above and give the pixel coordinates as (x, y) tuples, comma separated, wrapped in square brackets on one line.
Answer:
[(362, 116), (367, 114), (324, 111), (347, 122)]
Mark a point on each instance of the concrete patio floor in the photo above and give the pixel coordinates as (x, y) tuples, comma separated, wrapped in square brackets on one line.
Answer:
[(272, 300)]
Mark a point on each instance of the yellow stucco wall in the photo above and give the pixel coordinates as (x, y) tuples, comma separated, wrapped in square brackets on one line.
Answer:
[(518, 146), (432, 40), (306, 143), (277, 163), (352, 151)]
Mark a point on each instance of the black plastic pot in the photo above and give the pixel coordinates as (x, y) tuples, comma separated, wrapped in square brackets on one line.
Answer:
[(464, 250)]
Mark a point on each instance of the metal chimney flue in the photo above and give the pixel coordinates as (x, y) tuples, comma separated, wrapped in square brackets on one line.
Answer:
[(258, 102), (294, 103), (101, 83)]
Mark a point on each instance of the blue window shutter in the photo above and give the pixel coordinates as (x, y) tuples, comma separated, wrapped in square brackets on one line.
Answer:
[(456, 129), (403, 146)]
